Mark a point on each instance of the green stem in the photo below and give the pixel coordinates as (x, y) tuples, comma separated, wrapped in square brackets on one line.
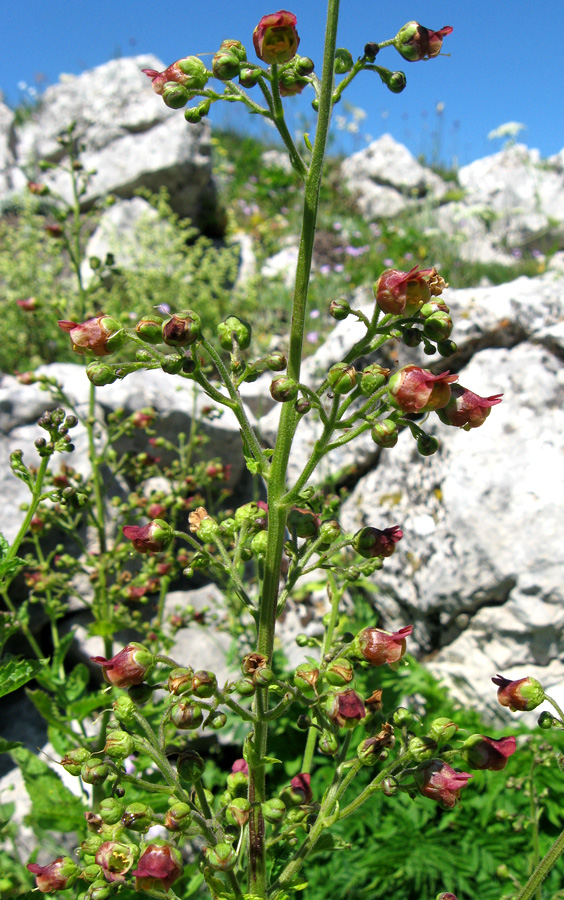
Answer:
[(543, 869), (280, 122)]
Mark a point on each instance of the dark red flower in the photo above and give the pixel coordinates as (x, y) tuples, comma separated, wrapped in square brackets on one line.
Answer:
[(127, 667), (371, 542), (440, 782), (57, 876), (399, 293), (345, 709), (101, 335), (415, 42), (378, 647), (465, 409), (240, 765), (30, 304), (275, 38), (301, 785), (159, 866), (149, 538), (523, 694), (486, 753), (415, 390)]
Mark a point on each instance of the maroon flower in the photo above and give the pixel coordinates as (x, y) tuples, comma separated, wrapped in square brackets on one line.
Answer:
[(378, 647), (524, 694), (371, 542), (275, 38), (101, 335), (415, 42), (240, 765), (440, 782), (159, 866), (36, 187), (486, 753), (116, 859), (400, 293), (57, 876), (301, 785), (415, 390), (127, 667), (465, 409), (30, 304), (149, 538), (345, 709)]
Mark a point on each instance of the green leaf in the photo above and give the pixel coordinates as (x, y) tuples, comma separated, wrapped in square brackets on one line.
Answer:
[(80, 709), (11, 566), (8, 746), (46, 706), (76, 681), (104, 629), (54, 807), (4, 547), (62, 650), (14, 673)]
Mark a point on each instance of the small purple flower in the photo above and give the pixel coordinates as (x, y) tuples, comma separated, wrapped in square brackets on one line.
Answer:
[(312, 337), (314, 314), (324, 270), (388, 262), (339, 268)]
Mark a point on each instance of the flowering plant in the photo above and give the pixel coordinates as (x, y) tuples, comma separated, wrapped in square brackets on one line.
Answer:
[(252, 837)]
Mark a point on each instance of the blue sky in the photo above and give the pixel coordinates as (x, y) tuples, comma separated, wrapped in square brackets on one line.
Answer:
[(505, 60)]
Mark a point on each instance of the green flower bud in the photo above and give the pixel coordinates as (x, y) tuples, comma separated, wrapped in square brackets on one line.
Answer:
[(274, 810), (99, 374), (186, 716), (124, 711), (93, 873), (385, 434), (245, 687), (329, 531), (284, 389), (402, 717), (234, 330), (394, 81), (193, 115), (91, 844), (149, 329), (259, 542), (216, 721), (175, 95), (427, 444), (438, 327), (137, 817), (372, 379), (111, 810), (119, 745), (339, 672), (342, 378), (412, 337), (204, 684), (339, 309), (306, 677), (248, 76), (277, 362), (225, 65), (99, 890), (447, 348), (343, 61), (442, 729), (422, 748), (221, 857), (304, 522), (73, 760), (208, 530), (172, 364), (238, 811), (247, 514), (94, 771), (328, 743), (180, 680), (178, 816), (194, 72), (190, 766)]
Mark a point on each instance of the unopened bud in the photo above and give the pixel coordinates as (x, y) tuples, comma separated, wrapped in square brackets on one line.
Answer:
[(343, 61), (182, 329), (342, 378), (284, 389), (190, 766), (385, 434), (339, 309), (234, 330)]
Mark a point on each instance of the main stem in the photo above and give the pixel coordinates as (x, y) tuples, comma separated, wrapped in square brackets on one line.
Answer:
[(258, 885)]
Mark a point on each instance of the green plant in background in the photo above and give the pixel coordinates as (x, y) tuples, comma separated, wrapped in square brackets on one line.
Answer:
[(334, 736)]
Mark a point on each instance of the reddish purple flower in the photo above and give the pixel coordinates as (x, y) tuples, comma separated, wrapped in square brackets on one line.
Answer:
[(149, 538), (465, 409), (128, 667), (378, 647), (30, 304), (371, 542), (101, 335), (486, 753), (440, 782), (345, 709), (415, 390), (399, 293), (524, 694), (275, 38), (57, 876), (415, 42), (116, 859), (447, 896), (240, 765), (190, 72), (301, 786), (159, 866)]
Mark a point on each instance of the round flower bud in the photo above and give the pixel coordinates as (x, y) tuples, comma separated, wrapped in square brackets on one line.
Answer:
[(412, 337), (172, 364), (442, 729), (204, 684), (119, 745), (371, 51), (259, 542), (94, 771), (73, 760), (98, 374), (245, 687), (306, 677), (447, 348), (276, 362), (238, 811), (329, 531), (225, 65), (180, 680), (124, 711), (222, 857), (208, 530), (339, 309), (248, 76), (274, 810), (304, 522), (186, 716), (149, 329), (137, 817), (372, 379), (343, 61), (342, 378), (234, 330), (385, 434), (339, 672), (427, 444), (328, 743), (247, 514), (438, 327), (546, 720), (216, 721), (422, 748), (111, 811), (284, 389), (178, 816), (175, 95), (190, 766), (182, 329)]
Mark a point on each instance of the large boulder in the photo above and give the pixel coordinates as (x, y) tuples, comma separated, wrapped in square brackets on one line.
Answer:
[(131, 140)]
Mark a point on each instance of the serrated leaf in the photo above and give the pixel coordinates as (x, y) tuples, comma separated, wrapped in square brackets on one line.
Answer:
[(271, 759), (11, 566), (252, 465), (80, 709), (102, 629), (8, 746), (46, 706), (4, 547), (54, 807), (14, 673), (76, 681)]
